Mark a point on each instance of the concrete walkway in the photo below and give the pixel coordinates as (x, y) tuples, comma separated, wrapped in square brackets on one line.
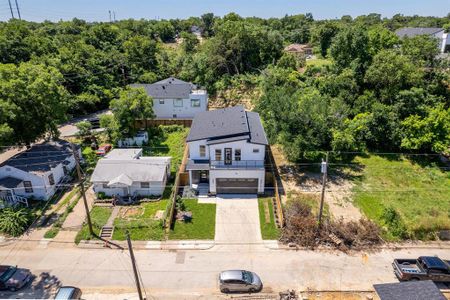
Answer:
[(237, 223), (75, 219)]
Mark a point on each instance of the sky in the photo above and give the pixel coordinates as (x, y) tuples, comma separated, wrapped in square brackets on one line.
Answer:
[(97, 10)]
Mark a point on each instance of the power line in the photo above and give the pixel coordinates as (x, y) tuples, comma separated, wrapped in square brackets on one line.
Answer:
[(18, 10), (10, 8)]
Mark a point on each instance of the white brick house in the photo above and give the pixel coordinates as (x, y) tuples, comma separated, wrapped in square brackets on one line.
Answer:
[(227, 151)]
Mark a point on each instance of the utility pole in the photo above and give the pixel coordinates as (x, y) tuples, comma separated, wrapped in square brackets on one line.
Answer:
[(18, 10), (133, 262), (109, 16), (81, 183), (114, 16), (323, 167), (10, 8)]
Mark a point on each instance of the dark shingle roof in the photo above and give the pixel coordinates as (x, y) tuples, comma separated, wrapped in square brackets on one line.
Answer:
[(412, 290), (169, 88), (413, 31), (41, 157), (226, 125), (9, 182)]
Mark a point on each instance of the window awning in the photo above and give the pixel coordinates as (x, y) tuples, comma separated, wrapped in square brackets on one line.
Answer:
[(121, 180)]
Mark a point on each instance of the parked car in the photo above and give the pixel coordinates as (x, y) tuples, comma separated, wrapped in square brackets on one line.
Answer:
[(423, 268), (239, 281), (13, 278), (102, 150), (68, 292)]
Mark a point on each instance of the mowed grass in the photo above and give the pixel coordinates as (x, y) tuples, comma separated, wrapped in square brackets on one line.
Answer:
[(99, 217), (269, 230), (318, 62), (418, 192), (201, 227), (142, 227)]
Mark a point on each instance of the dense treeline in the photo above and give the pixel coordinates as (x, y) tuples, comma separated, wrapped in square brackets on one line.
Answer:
[(377, 92)]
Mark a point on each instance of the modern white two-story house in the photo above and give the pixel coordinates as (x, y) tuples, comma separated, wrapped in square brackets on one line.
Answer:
[(36, 172), (227, 152), (176, 99)]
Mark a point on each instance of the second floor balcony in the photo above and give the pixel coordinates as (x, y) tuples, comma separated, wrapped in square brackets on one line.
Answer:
[(202, 164)]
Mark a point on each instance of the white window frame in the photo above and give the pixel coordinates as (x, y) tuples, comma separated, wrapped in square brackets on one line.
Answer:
[(237, 157), (255, 150), (202, 150), (145, 185), (176, 102), (195, 103), (161, 101)]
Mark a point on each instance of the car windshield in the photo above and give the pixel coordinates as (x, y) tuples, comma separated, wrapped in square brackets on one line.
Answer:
[(247, 276), (7, 273)]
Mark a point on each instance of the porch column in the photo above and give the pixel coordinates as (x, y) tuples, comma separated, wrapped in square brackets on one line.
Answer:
[(190, 178)]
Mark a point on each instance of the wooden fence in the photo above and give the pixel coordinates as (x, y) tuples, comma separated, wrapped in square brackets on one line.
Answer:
[(179, 181), (157, 122), (275, 176)]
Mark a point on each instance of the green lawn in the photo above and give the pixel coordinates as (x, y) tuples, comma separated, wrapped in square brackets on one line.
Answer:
[(419, 193), (142, 226), (269, 231), (167, 141), (202, 226), (318, 62), (99, 216)]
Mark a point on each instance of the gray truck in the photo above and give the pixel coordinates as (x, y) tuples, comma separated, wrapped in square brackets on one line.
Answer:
[(424, 268)]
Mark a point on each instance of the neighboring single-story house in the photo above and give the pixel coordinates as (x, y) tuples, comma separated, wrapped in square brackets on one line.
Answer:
[(176, 99), (139, 139), (227, 151), (126, 173), (438, 33), (36, 171), (298, 49)]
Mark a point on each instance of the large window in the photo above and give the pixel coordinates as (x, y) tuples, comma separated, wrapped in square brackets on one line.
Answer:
[(202, 150), (195, 102), (161, 101), (218, 155), (255, 150), (178, 102), (237, 154), (28, 186), (51, 179), (145, 185), (105, 186)]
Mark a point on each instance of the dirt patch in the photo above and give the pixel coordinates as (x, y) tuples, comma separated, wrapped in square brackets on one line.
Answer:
[(129, 212), (159, 215), (339, 295), (300, 179)]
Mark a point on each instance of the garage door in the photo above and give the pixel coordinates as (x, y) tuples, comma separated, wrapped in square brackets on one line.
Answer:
[(237, 185)]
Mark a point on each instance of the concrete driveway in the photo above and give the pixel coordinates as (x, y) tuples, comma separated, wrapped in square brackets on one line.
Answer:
[(237, 222)]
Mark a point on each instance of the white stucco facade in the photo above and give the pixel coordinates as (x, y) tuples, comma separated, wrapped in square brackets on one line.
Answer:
[(181, 108)]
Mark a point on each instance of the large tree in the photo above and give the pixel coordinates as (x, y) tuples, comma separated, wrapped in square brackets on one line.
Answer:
[(131, 105), (34, 99)]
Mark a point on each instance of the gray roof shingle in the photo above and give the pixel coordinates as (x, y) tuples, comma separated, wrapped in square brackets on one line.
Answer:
[(413, 31), (41, 157), (10, 182), (227, 124), (169, 88), (412, 290), (144, 169)]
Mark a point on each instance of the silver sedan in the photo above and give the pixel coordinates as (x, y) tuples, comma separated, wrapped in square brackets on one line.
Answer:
[(239, 281)]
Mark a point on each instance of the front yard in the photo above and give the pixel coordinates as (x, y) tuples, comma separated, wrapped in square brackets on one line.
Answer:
[(409, 199), (140, 221), (202, 225), (269, 230), (99, 217)]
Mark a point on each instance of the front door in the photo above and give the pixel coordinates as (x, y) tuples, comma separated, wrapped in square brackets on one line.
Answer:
[(228, 156), (125, 191), (204, 176)]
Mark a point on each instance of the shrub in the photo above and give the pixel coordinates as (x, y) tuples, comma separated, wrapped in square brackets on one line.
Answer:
[(101, 195), (394, 223), (172, 128), (14, 221)]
